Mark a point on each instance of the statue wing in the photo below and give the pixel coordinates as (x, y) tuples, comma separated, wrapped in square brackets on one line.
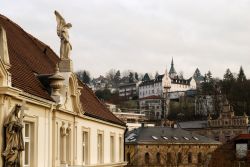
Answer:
[(60, 20)]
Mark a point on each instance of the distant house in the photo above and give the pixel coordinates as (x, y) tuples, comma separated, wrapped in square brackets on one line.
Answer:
[(128, 90), (164, 146), (178, 86), (151, 106)]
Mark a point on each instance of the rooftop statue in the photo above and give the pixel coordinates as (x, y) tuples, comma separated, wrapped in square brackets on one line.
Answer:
[(14, 137), (62, 32)]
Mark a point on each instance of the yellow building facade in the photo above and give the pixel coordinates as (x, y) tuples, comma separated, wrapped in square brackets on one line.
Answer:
[(64, 124)]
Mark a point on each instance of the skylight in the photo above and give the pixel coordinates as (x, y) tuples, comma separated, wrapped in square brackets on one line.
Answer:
[(164, 137), (154, 137), (186, 138), (195, 138), (176, 138)]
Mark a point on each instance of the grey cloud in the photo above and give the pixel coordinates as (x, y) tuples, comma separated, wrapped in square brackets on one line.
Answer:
[(144, 35)]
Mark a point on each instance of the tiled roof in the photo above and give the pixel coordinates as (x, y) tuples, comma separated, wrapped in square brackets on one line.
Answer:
[(242, 137), (94, 108), (30, 57), (165, 135)]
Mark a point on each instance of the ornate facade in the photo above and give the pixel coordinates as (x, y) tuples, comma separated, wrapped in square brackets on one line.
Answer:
[(64, 124)]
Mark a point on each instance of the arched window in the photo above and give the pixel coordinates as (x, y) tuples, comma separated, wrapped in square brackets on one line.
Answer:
[(179, 158), (199, 157), (189, 157), (169, 158), (146, 158), (128, 158), (158, 158)]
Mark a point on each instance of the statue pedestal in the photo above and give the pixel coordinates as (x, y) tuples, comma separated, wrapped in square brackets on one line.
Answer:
[(65, 65)]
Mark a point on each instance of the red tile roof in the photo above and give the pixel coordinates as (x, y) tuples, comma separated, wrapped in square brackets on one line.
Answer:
[(242, 136), (30, 57)]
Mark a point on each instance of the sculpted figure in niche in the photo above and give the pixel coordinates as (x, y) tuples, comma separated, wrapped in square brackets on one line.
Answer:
[(14, 137), (62, 32)]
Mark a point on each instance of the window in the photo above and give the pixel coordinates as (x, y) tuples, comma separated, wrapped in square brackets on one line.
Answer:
[(100, 147), (179, 158), (158, 158), (28, 158), (199, 157), (169, 158), (189, 157), (128, 158), (146, 158), (85, 147), (27, 141), (112, 148), (227, 137)]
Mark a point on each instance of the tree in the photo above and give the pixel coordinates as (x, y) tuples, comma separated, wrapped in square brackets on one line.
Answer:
[(84, 76), (241, 75), (209, 76), (181, 75), (103, 94), (227, 82), (110, 75), (131, 77), (117, 78), (136, 76), (228, 76)]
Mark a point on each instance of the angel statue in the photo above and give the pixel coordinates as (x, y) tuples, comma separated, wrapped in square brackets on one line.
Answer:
[(14, 137), (62, 32)]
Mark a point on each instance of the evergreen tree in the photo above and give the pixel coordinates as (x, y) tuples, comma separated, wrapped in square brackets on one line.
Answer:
[(209, 76), (241, 75), (228, 76), (136, 76), (131, 77), (117, 78), (84, 76)]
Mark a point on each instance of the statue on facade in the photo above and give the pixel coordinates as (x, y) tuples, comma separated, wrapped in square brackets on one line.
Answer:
[(62, 32), (14, 137)]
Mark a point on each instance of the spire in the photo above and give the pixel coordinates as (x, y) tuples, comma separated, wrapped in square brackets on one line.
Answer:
[(172, 71)]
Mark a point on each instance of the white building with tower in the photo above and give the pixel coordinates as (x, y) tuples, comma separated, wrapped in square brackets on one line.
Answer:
[(151, 91)]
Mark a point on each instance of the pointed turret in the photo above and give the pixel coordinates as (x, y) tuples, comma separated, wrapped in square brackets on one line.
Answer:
[(172, 72)]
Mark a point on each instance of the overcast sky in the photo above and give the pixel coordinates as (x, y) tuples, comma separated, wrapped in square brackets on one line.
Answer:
[(143, 35)]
